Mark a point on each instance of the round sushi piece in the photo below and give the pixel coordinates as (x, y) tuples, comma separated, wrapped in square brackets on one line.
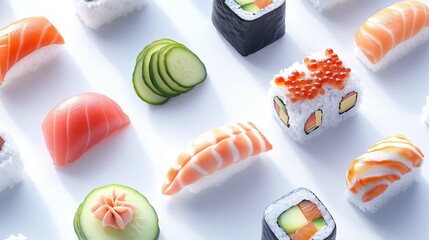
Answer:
[(95, 13), (215, 156), (299, 215), (389, 167), (116, 212), (307, 98), (19, 237), (392, 33), (25, 45), (11, 165)]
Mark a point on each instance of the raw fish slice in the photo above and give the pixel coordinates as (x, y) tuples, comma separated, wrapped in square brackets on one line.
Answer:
[(305, 233), (391, 26), (80, 122), (310, 210), (21, 38), (214, 151)]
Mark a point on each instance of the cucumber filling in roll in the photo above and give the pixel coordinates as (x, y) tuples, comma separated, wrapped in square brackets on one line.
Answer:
[(281, 110)]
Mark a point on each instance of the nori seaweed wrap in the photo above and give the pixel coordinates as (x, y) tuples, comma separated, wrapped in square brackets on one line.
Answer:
[(246, 31), (300, 215)]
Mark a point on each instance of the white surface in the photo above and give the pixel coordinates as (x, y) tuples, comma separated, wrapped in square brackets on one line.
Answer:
[(42, 207)]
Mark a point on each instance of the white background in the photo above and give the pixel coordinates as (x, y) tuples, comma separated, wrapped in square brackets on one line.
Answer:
[(43, 206)]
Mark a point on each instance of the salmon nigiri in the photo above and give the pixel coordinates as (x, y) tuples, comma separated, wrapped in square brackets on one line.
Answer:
[(80, 122), (387, 168), (215, 155), (35, 36), (391, 33)]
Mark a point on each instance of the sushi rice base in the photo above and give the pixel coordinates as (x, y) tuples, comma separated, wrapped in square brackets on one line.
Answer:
[(328, 102), (396, 53), (99, 12), (19, 237), (394, 189), (248, 16), (273, 212), (221, 176), (325, 4), (11, 165), (32, 62), (425, 115)]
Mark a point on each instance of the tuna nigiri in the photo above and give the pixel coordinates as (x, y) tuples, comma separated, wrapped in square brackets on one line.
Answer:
[(80, 122), (27, 44), (391, 33), (386, 169), (214, 156)]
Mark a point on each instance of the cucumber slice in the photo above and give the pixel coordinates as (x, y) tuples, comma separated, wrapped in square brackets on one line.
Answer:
[(184, 67), (145, 68), (156, 79), (142, 89), (163, 40), (163, 73), (144, 225)]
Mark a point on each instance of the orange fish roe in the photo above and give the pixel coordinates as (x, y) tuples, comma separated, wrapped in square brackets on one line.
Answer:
[(329, 70)]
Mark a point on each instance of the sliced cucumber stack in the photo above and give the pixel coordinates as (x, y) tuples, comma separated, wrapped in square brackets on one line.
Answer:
[(165, 69), (143, 226)]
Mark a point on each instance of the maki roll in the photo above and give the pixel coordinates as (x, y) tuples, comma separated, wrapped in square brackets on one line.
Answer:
[(391, 33), (11, 165), (95, 13), (299, 215), (249, 25), (387, 168), (310, 97)]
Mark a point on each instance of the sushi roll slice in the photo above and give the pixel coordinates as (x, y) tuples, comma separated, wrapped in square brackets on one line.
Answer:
[(19, 237), (214, 156), (80, 122), (391, 33), (299, 215), (387, 168), (249, 25), (25, 45), (95, 13), (11, 165), (325, 4), (116, 212), (321, 92)]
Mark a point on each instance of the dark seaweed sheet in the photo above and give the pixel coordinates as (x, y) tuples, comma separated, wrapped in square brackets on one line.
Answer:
[(245, 36), (268, 234)]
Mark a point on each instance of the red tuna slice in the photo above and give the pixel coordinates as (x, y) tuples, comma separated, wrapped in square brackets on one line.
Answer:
[(80, 122)]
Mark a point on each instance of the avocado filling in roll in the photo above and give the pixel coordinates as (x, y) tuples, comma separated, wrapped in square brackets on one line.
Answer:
[(301, 221), (253, 5), (313, 122), (281, 110), (348, 102)]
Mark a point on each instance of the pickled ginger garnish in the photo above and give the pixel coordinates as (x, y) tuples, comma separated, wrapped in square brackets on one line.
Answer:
[(113, 210)]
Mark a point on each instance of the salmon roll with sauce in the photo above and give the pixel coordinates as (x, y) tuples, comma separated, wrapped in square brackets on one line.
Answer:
[(214, 156), (392, 33), (386, 169), (321, 92)]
